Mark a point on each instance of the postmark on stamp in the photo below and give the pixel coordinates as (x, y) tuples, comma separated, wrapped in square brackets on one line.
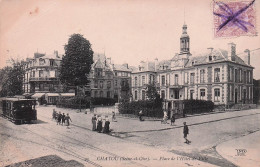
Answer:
[(234, 18)]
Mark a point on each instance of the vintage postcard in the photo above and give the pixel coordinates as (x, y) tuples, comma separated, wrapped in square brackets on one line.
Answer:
[(129, 83)]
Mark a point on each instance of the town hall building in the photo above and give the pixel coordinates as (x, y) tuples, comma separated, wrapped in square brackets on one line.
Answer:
[(220, 76)]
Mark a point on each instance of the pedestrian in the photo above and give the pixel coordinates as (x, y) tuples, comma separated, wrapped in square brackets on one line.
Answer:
[(68, 119), (59, 118), (99, 124), (106, 126), (172, 119), (63, 119), (165, 117), (113, 116), (94, 123), (54, 114), (186, 132), (141, 115)]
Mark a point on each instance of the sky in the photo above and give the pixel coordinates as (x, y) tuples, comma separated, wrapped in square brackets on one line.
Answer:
[(128, 31)]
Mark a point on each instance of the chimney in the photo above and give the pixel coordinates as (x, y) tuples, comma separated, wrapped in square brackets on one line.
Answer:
[(155, 64), (210, 49), (125, 65), (247, 57), (231, 51)]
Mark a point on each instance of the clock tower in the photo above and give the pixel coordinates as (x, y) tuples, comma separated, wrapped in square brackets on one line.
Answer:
[(184, 41)]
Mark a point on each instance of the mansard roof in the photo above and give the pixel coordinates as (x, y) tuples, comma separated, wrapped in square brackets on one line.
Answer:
[(218, 55), (122, 67)]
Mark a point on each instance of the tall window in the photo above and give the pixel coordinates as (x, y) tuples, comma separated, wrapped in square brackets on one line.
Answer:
[(101, 84), (240, 75), (136, 95), (108, 94), (163, 80), (143, 94), (95, 84), (41, 73), (33, 74), (202, 94), (236, 75), (101, 94), (176, 92), (108, 84), (176, 79), (231, 74), (51, 62), (217, 74), (116, 83), (135, 81), (249, 77), (143, 80), (163, 94), (217, 94), (151, 78), (245, 77), (202, 76), (192, 76), (231, 93)]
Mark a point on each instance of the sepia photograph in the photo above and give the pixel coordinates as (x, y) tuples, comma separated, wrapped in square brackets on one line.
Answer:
[(128, 83)]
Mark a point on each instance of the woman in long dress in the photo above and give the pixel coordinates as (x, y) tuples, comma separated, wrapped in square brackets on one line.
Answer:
[(68, 119), (106, 126), (99, 124), (94, 122)]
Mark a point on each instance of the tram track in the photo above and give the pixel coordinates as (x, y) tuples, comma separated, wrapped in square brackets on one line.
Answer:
[(88, 145), (62, 148), (68, 150)]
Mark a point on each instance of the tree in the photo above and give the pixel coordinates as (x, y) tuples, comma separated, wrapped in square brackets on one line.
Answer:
[(11, 80), (77, 61), (151, 92)]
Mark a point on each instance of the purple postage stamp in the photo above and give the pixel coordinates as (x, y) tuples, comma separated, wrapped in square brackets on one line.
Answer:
[(234, 18)]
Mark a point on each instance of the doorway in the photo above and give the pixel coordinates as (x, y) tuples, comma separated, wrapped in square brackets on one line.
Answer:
[(235, 96)]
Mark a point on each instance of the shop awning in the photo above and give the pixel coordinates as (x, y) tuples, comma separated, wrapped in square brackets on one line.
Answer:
[(67, 94), (38, 95), (52, 94)]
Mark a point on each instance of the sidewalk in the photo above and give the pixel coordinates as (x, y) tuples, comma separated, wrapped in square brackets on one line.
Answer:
[(128, 125), (228, 150)]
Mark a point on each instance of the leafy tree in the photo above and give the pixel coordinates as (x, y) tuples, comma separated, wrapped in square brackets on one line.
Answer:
[(151, 92), (77, 61), (12, 80)]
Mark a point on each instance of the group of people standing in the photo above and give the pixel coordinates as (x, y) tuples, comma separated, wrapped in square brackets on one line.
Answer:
[(61, 119), (97, 124)]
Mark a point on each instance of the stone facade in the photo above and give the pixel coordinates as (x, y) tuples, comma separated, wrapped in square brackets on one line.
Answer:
[(219, 75), (41, 73)]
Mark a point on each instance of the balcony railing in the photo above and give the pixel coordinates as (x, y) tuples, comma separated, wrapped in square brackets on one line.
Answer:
[(43, 79)]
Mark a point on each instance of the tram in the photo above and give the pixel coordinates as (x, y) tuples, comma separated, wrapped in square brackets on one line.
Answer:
[(18, 110)]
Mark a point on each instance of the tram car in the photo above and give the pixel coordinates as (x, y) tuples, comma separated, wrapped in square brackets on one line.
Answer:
[(18, 110)]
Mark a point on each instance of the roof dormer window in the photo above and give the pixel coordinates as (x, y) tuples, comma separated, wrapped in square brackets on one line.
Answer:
[(210, 58)]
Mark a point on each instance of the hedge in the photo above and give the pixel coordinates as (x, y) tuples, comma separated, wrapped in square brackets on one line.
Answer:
[(149, 108), (197, 106), (74, 102)]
